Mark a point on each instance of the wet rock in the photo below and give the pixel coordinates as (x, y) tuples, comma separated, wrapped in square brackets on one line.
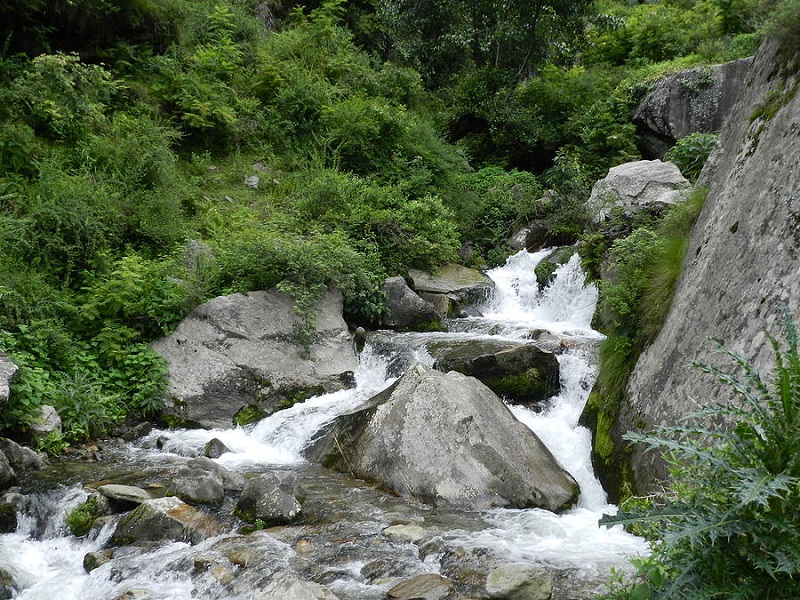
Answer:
[(407, 310), (134, 432), (520, 581), (633, 186), (445, 439), (7, 587), (214, 448), (406, 533), (20, 457), (545, 271), (8, 476), (92, 560), (124, 497), (197, 485), (10, 503), (165, 519), (285, 586), (244, 349), (466, 286), (273, 498), (422, 587), (231, 480), (521, 373)]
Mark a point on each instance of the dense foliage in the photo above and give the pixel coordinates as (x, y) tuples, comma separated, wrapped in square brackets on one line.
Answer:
[(156, 154), (729, 525)]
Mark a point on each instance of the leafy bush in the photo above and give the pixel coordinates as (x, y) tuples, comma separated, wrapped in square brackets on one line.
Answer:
[(690, 153), (729, 524)]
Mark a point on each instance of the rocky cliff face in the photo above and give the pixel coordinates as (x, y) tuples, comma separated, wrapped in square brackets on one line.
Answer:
[(742, 263), (695, 100)]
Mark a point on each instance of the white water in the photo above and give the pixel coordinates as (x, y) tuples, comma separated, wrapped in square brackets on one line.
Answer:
[(51, 565)]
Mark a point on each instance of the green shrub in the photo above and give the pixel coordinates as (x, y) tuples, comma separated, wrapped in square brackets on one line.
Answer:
[(690, 153), (729, 524)]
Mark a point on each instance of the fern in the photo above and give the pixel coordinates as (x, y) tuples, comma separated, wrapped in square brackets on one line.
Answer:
[(729, 525)]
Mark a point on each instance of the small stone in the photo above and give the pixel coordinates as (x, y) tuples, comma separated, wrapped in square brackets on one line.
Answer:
[(422, 587), (252, 181)]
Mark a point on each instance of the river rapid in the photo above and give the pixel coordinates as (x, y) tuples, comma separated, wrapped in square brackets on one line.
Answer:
[(343, 542)]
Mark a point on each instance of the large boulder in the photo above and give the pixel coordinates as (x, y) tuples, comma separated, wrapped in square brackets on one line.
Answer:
[(405, 309), (20, 457), (445, 439), (165, 519), (740, 268), (697, 100), (244, 351), (519, 372), (203, 481), (461, 285), (632, 186), (7, 370)]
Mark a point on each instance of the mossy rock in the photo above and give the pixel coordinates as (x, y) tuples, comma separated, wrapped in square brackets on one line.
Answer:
[(545, 270)]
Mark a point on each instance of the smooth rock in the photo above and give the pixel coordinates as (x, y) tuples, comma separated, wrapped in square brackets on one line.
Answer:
[(244, 349), (406, 533), (124, 494), (197, 485), (45, 423), (466, 285), (445, 439), (520, 581), (635, 185), (422, 587), (215, 448)]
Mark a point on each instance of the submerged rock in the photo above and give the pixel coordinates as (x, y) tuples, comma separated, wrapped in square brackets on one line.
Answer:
[(446, 439), (244, 350)]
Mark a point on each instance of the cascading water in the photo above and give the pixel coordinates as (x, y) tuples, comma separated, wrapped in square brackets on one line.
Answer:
[(48, 563)]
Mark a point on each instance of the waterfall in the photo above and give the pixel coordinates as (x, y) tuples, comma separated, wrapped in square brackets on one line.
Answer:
[(46, 561)]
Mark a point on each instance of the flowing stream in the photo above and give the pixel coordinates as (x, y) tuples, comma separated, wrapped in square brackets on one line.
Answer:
[(343, 547)]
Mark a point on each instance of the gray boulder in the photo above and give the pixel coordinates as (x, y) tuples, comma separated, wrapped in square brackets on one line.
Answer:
[(8, 476), (244, 350), (20, 457), (635, 185), (445, 439), (273, 498), (7, 370), (697, 100), (460, 284), (405, 309), (521, 373), (163, 519)]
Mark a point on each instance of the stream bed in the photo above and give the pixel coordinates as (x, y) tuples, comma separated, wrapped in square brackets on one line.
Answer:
[(355, 539)]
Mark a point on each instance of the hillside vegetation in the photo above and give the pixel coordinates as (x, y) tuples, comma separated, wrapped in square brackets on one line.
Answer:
[(156, 154)]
